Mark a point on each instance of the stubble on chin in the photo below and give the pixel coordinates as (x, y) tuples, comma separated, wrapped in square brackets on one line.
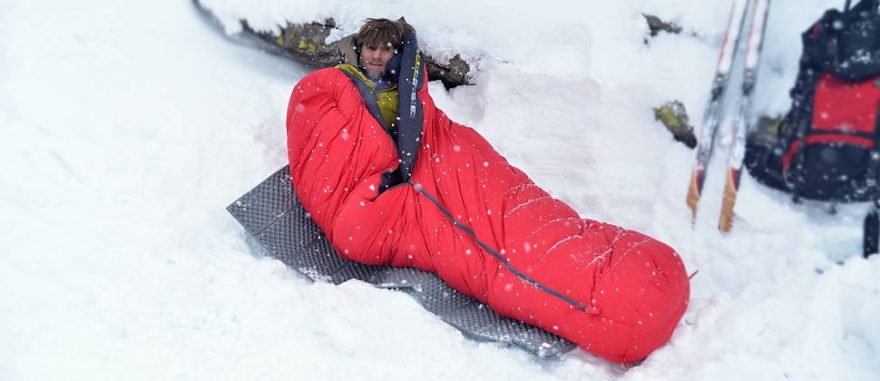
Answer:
[(373, 76)]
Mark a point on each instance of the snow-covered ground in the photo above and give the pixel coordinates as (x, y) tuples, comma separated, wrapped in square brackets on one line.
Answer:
[(127, 127)]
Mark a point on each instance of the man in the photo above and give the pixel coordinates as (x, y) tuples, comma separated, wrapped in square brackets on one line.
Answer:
[(392, 180), (367, 54)]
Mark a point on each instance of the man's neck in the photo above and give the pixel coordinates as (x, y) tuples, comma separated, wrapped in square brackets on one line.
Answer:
[(381, 83)]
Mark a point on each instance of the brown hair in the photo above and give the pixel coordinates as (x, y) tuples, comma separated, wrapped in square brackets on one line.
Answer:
[(381, 31)]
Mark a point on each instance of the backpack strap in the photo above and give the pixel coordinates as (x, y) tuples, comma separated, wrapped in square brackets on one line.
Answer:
[(874, 164), (800, 136)]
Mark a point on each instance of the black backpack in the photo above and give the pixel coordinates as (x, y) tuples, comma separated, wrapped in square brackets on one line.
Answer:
[(829, 139)]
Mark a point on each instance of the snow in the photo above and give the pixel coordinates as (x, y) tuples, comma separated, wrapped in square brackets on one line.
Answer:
[(128, 127)]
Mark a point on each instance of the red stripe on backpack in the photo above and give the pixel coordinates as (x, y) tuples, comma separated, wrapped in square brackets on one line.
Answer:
[(844, 107)]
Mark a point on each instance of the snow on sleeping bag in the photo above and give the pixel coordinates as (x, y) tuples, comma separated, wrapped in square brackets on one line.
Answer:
[(441, 199)]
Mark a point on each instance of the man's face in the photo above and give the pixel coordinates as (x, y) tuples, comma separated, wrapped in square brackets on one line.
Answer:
[(374, 58)]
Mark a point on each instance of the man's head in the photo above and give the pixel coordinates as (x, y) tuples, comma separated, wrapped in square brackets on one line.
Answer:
[(378, 41)]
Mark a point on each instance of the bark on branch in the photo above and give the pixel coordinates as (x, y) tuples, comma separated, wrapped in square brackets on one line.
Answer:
[(306, 43)]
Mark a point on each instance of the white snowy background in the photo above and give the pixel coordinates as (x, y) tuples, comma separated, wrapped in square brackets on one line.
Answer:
[(127, 127)]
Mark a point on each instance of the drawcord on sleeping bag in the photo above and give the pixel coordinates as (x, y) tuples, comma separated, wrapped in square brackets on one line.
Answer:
[(494, 253)]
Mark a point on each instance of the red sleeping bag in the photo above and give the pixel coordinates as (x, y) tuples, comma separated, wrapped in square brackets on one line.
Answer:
[(629, 290)]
